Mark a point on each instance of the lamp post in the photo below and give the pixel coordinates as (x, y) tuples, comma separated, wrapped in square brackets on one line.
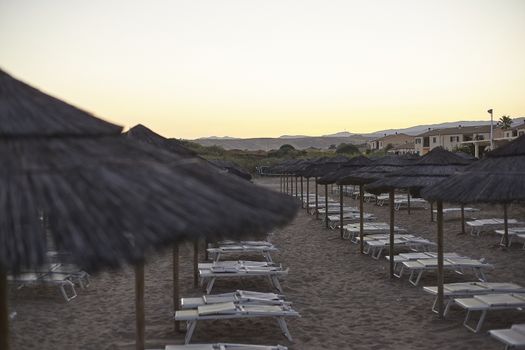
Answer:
[(491, 128)]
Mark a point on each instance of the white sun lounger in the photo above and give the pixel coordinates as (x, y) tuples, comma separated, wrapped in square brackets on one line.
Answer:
[(225, 346), (486, 303), (466, 210), (333, 210), (466, 289), (265, 250), (71, 271), (512, 338), (414, 203), (239, 296), (401, 258), (352, 230), (376, 244), (229, 310), (481, 225), (62, 281), (348, 217), (210, 272), (512, 232), (458, 265)]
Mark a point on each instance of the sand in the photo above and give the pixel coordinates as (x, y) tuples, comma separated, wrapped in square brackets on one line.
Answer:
[(346, 299)]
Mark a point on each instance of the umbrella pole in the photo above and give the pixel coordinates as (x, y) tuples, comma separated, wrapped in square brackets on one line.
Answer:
[(391, 247), (505, 226), (341, 211), (308, 195), (431, 211), (291, 186), (196, 263), (440, 275), (408, 199), (326, 205), (462, 219), (139, 307), (296, 192), (4, 316), (361, 242), (316, 199), (206, 244), (281, 183), (176, 291), (302, 194)]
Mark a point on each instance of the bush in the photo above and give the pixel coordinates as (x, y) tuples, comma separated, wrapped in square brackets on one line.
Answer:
[(346, 148)]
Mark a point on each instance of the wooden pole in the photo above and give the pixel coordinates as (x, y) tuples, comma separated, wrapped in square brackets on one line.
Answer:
[(431, 211), (462, 219), (4, 312), (505, 226), (139, 307), (176, 290), (341, 229), (391, 247), (195, 263), (326, 205), (316, 199), (440, 274), (296, 192), (302, 194), (308, 195), (206, 244), (408, 199), (281, 183), (291, 185), (361, 219)]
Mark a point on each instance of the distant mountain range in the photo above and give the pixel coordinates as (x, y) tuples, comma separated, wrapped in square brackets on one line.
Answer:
[(325, 141)]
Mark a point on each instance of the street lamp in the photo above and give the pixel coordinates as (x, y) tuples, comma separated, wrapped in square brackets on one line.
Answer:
[(491, 128)]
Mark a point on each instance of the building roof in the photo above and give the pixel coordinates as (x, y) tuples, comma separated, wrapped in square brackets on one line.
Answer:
[(458, 130), (391, 136)]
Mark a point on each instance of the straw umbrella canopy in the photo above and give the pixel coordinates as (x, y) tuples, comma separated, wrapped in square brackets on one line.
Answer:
[(341, 172), (109, 200), (365, 175), (231, 168), (309, 170), (144, 134), (497, 178), (430, 169)]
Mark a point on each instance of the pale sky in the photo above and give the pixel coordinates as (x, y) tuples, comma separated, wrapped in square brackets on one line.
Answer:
[(251, 68)]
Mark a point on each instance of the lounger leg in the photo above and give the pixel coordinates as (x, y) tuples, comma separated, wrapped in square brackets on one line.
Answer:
[(268, 257), (400, 274), (434, 306), (378, 254), (276, 283), (447, 306), (210, 285), (190, 328), (411, 278), (284, 328), (217, 257), (479, 324), (64, 293)]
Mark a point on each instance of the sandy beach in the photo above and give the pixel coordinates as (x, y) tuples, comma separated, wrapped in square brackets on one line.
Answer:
[(345, 299)]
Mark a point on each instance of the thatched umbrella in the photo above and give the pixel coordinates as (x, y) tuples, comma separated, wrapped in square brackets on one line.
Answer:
[(497, 178), (379, 168), (332, 177), (432, 168), (231, 168), (319, 168), (109, 200), (144, 134)]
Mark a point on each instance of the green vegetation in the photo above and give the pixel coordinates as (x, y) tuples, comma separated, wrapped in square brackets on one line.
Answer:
[(505, 122), (249, 160), (346, 148)]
